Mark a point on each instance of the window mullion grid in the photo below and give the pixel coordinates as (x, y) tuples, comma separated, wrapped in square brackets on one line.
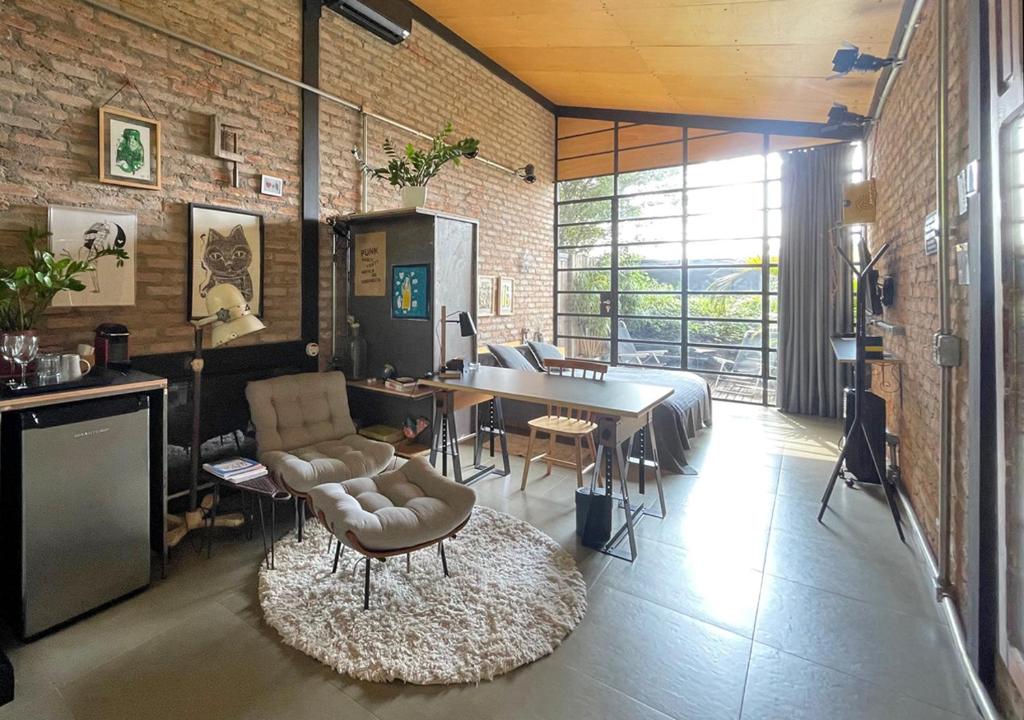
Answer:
[(765, 274), (613, 311), (684, 302)]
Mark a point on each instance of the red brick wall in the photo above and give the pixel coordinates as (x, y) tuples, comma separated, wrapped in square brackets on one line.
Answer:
[(901, 152), (60, 60)]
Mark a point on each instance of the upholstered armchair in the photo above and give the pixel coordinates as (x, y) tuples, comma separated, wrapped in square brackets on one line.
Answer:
[(306, 436)]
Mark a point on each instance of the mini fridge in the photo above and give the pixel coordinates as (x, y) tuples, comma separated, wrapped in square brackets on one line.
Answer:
[(74, 480)]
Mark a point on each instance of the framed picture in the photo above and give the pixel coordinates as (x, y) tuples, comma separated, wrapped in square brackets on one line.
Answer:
[(74, 232), (225, 246), (485, 296), (410, 292), (270, 185), (129, 149), (506, 295)]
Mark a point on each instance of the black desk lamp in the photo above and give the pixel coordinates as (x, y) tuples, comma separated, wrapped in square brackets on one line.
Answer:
[(467, 328)]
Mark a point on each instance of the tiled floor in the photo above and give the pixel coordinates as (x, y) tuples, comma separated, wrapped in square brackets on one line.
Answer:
[(740, 605)]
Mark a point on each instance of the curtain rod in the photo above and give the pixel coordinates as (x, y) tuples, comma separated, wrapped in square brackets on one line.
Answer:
[(276, 75)]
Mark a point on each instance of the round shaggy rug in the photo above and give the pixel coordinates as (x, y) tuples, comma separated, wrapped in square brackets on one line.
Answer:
[(513, 594)]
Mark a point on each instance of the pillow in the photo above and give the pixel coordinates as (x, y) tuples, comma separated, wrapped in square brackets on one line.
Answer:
[(544, 351), (509, 357)]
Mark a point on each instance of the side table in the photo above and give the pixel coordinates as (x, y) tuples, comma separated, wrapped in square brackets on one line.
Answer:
[(259, 487)]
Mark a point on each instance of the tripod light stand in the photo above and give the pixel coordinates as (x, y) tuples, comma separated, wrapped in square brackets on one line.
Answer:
[(860, 375), (230, 318)]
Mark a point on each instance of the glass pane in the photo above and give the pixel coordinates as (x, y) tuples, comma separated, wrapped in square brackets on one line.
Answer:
[(588, 349), (725, 226), (597, 234), (772, 390), (593, 257), (657, 254), (665, 229), (739, 279), (584, 280), (669, 178), (773, 363), (725, 306), (599, 327), (773, 307), (725, 172), (726, 199), (586, 188), (774, 222), (724, 332), (585, 303), (736, 388), (645, 206), (650, 280), (638, 353), (773, 250), (649, 329), (773, 335), (773, 278), (747, 362), (775, 194), (592, 211), (774, 166), (725, 252), (650, 305)]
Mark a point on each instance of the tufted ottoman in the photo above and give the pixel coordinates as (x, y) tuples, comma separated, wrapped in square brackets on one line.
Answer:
[(394, 513)]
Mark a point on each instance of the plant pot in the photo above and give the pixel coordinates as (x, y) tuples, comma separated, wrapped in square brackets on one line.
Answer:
[(414, 196), (8, 369)]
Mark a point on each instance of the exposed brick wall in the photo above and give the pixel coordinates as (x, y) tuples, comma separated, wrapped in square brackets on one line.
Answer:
[(60, 60), (901, 155)]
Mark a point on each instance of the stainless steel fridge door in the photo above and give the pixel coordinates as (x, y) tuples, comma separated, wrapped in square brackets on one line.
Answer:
[(85, 515)]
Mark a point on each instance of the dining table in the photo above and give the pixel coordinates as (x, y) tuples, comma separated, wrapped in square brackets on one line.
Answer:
[(622, 414)]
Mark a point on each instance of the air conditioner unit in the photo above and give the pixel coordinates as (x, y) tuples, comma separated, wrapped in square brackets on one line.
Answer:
[(384, 18)]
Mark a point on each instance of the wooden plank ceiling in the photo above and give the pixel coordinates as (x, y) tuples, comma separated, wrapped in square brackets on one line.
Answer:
[(733, 58)]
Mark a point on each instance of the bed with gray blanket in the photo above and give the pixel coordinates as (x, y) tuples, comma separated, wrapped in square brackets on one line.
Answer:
[(676, 421)]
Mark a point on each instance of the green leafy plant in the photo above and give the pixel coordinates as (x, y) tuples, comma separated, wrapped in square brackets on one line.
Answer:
[(409, 167), (27, 290)]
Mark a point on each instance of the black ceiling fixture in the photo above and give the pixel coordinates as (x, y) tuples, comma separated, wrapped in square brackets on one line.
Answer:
[(387, 19), (841, 122), (849, 59), (527, 173)]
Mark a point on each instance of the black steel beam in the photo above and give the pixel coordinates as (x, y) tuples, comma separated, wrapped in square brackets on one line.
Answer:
[(310, 252)]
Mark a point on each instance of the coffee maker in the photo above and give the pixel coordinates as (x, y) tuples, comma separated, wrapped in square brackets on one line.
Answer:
[(112, 346)]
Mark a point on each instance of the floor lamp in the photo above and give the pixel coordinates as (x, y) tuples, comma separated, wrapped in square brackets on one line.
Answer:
[(230, 318)]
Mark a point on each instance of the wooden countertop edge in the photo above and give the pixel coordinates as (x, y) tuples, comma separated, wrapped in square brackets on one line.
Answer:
[(64, 396)]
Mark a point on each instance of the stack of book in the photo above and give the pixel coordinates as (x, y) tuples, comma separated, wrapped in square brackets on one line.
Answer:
[(236, 470), (401, 384)]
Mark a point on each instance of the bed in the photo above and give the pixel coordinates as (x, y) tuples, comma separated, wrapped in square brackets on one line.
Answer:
[(676, 421)]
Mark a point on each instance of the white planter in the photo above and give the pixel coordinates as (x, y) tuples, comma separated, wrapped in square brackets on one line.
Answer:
[(414, 196)]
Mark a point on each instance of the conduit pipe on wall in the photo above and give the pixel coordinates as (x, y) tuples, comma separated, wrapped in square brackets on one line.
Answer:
[(901, 55), (273, 74)]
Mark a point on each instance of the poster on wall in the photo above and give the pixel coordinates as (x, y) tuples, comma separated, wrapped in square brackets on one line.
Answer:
[(485, 296), (506, 295), (225, 246), (371, 262), (129, 149), (78, 232), (410, 292)]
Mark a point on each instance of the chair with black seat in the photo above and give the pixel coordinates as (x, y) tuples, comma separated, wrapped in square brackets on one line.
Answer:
[(568, 422)]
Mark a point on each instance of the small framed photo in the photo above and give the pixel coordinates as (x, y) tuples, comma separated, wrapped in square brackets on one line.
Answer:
[(485, 296), (76, 233), (410, 292), (270, 185), (506, 295), (225, 245), (129, 149)]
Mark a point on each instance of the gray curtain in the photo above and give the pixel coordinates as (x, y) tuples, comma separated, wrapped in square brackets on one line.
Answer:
[(814, 284)]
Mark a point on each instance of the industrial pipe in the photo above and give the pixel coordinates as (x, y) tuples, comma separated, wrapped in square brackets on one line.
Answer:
[(901, 55)]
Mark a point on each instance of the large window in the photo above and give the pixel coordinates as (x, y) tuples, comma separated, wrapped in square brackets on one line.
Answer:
[(673, 266)]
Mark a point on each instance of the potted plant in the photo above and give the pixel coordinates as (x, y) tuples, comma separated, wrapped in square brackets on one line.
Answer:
[(411, 169), (27, 290)]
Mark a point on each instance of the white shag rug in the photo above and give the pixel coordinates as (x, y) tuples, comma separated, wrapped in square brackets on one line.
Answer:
[(513, 594)]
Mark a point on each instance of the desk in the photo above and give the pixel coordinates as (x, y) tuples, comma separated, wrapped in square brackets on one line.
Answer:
[(620, 410)]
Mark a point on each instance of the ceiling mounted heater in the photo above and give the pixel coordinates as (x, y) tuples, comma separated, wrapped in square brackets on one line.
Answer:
[(387, 19)]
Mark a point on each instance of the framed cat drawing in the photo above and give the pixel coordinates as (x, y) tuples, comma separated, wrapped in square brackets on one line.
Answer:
[(225, 246)]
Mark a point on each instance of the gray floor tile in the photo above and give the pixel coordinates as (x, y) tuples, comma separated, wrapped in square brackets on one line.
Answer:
[(681, 666), (784, 687), (903, 653)]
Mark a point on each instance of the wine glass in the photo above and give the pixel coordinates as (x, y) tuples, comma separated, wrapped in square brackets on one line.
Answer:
[(20, 349)]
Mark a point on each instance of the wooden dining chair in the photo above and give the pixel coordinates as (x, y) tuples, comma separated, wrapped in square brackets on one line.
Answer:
[(565, 421)]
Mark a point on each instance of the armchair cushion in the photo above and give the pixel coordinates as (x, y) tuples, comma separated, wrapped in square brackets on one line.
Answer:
[(410, 506)]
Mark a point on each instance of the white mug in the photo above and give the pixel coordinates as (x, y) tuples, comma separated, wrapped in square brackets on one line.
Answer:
[(71, 366), (86, 350)]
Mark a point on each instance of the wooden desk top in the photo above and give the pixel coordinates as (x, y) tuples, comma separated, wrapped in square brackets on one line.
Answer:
[(379, 387), (606, 397), (130, 383)]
